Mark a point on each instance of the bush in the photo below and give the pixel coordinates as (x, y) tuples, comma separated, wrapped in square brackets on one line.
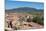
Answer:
[(39, 20)]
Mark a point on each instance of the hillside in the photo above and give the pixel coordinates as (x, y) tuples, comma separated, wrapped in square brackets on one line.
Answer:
[(25, 10)]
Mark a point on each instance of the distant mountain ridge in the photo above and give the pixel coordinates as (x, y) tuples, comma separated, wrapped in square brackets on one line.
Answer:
[(24, 9)]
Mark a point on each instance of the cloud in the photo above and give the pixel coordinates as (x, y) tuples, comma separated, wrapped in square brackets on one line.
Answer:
[(30, 0)]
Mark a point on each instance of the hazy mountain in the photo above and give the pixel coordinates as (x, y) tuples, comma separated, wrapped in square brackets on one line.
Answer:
[(24, 9)]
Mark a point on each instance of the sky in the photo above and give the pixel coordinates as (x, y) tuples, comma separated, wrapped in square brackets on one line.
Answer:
[(17, 4)]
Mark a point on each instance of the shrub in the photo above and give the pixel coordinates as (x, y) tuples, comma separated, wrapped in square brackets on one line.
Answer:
[(39, 20)]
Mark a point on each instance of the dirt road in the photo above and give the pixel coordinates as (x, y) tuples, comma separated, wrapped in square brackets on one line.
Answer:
[(36, 26)]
